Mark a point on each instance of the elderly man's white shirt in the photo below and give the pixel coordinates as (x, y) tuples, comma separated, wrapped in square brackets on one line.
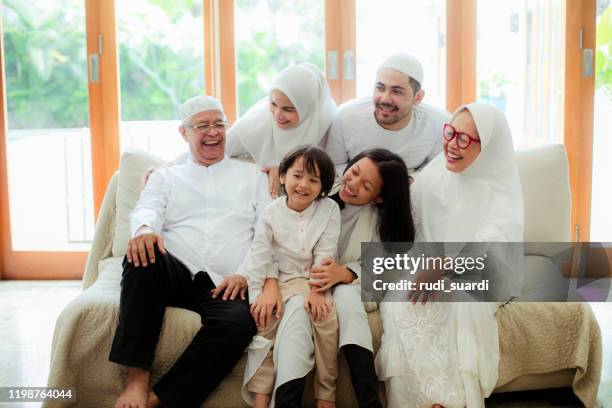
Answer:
[(355, 129), (205, 214), (287, 243)]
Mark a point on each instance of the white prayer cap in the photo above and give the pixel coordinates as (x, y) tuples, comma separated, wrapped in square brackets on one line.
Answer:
[(406, 64), (200, 103)]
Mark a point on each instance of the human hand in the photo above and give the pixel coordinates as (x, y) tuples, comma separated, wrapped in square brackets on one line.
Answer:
[(141, 246), (273, 180), (423, 276), (268, 300), (318, 306), (328, 274), (231, 286)]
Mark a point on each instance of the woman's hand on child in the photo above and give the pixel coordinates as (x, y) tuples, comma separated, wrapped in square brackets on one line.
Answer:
[(424, 276), (318, 306), (328, 274), (273, 180), (267, 302)]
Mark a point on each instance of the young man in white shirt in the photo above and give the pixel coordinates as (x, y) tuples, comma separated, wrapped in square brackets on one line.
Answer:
[(394, 118), (191, 228)]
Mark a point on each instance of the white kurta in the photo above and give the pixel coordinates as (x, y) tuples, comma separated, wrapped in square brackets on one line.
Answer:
[(448, 353), (205, 225), (286, 245), (293, 350), (355, 129), (358, 225)]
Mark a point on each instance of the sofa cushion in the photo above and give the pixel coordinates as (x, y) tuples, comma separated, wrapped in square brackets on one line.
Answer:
[(134, 164), (543, 281), (544, 176)]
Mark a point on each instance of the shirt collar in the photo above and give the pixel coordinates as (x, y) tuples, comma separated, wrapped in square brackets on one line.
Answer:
[(213, 168), (305, 213)]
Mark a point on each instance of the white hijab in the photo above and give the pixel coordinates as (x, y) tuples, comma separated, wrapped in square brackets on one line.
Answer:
[(484, 203), (305, 86)]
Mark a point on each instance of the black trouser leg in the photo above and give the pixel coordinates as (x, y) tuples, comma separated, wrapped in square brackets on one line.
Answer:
[(227, 330), (363, 375), (289, 395), (145, 293)]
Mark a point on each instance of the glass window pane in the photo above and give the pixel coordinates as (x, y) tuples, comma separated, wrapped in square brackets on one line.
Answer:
[(601, 203), (520, 66), (48, 140), (416, 27), (161, 62), (270, 35)]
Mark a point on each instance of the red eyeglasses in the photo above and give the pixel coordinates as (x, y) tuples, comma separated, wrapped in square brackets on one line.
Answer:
[(463, 139)]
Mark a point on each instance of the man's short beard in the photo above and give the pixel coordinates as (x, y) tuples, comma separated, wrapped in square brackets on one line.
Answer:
[(390, 121)]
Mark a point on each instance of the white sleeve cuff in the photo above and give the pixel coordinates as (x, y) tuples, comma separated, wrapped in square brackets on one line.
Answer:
[(143, 229)]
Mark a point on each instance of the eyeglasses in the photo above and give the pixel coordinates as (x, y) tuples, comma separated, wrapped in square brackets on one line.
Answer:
[(463, 139), (203, 128)]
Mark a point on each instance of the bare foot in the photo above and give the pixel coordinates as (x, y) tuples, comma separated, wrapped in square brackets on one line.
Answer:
[(437, 406), (136, 389), (325, 404), (261, 401)]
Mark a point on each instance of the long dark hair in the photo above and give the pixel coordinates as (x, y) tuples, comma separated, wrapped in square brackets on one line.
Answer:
[(395, 222)]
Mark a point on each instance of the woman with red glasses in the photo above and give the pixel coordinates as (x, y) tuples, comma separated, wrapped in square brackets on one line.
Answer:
[(442, 354)]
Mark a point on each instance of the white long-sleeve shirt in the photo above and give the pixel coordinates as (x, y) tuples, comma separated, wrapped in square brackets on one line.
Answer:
[(205, 214), (355, 129), (287, 243)]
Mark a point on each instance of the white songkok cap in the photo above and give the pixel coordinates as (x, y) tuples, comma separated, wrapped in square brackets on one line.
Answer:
[(406, 64), (200, 103)]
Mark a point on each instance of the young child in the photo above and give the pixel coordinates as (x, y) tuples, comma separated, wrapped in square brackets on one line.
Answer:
[(294, 232)]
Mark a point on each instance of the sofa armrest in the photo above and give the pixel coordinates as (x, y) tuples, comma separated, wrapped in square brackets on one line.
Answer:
[(103, 235)]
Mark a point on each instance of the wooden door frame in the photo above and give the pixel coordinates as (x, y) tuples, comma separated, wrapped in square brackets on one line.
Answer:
[(461, 44), (578, 106)]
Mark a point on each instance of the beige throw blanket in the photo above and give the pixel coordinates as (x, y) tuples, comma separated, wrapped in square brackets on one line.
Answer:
[(538, 338)]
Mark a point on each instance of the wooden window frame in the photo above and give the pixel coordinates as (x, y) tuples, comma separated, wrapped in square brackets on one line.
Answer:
[(340, 26), (579, 112)]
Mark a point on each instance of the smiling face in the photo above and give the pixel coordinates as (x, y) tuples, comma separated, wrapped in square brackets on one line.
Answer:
[(207, 148), (302, 187), (458, 159), (394, 99), (283, 111), (361, 183)]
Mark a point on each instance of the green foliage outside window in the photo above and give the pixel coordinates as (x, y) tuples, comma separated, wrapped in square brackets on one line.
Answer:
[(160, 57), (603, 53)]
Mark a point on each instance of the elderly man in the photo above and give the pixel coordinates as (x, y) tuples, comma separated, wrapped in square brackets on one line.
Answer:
[(191, 228), (394, 118)]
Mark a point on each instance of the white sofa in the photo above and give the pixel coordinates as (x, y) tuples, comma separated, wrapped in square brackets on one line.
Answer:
[(542, 345)]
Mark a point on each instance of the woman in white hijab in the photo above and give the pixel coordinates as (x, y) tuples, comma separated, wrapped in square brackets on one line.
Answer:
[(298, 111), (447, 354)]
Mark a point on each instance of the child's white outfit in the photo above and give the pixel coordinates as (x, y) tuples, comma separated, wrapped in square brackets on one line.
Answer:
[(286, 244)]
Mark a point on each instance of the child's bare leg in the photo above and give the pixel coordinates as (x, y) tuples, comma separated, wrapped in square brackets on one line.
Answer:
[(261, 401), (325, 404)]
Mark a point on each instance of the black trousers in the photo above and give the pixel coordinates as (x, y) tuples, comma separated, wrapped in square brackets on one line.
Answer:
[(212, 354), (363, 376)]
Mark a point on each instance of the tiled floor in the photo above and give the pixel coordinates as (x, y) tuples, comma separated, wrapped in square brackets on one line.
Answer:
[(28, 311)]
